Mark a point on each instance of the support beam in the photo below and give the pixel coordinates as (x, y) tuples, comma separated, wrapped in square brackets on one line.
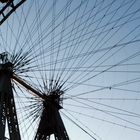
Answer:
[(7, 104), (23, 83), (2, 116), (51, 122)]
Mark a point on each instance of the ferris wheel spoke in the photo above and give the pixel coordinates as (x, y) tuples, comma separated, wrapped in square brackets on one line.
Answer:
[(84, 130), (117, 116), (76, 59), (103, 120)]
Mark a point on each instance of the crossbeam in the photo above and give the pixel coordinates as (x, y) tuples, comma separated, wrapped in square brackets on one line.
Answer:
[(23, 83)]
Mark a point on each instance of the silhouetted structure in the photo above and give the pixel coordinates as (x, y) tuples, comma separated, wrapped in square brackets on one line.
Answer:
[(50, 121), (7, 103), (8, 8)]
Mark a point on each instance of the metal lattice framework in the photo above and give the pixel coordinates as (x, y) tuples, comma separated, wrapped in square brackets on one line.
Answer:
[(7, 103), (5, 12), (50, 123), (71, 65)]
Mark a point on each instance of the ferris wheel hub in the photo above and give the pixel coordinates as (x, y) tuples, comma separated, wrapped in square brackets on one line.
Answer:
[(5, 64), (53, 99)]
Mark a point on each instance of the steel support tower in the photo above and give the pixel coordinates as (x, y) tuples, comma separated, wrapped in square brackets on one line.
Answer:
[(51, 122), (7, 103), (50, 119)]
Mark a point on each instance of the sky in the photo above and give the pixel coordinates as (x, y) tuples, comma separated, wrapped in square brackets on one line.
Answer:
[(90, 50)]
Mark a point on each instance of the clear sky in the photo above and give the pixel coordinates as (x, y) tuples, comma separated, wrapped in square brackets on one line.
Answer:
[(89, 47)]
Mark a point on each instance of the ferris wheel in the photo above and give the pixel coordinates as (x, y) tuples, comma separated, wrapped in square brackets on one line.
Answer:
[(69, 69)]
